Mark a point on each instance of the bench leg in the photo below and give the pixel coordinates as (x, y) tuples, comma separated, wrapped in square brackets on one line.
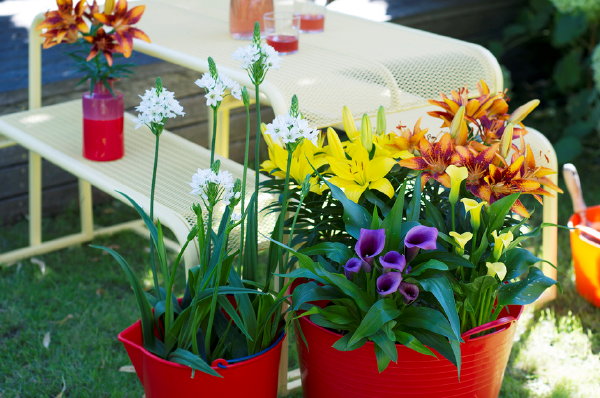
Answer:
[(86, 212), (550, 243), (35, 199)]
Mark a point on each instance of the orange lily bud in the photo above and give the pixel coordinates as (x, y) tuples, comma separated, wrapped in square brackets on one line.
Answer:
[(506, 140), (109, 5), (458, 128)]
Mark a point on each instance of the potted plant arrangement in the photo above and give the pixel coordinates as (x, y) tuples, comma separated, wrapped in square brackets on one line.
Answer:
[(101, 36), (224, 335), (410, 271)]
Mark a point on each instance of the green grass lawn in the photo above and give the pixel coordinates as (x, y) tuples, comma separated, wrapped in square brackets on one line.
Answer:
[(79, 298)]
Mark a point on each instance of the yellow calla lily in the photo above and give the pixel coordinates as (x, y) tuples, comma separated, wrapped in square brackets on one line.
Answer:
[(457, 176), (461, 239), (359, 173), (496, 269), (501, 242), (474, 207)]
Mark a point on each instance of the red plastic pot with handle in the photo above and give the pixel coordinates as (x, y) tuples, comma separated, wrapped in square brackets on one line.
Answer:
[(329, 373), (252, 377), (586, 258)]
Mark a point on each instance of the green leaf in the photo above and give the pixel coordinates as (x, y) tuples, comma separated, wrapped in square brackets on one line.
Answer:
[(449, 350), (383, 360), (383, 311), (568, 148), (414, 207), (410, 341), (311, 292), (355, 216), (451, 260), (146, 315), (426, 318), (187, 358), (387, 346), (426, 266), (498, 210), (517, 261), (527, 290), (394, 219), (334, 251), (338, 314), (343, 343), (234, 315), (440, 287), (568, 72), (567, 28)]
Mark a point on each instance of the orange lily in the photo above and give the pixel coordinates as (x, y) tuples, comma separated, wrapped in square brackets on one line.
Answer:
[(400, 144), (64, 24), (477, 163), (434, 159), (101, 42), (121, 21)]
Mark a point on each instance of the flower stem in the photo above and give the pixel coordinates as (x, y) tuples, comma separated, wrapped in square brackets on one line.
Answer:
[(152, 189), (214, 135), (244, 177), (293, 228), (256, 163), (284, 206)]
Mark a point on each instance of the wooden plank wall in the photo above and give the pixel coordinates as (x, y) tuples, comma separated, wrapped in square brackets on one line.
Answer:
[(60, 187)]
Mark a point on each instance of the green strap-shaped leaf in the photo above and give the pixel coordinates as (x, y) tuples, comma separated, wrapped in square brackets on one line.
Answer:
[(410, 341), (187, 358), (498, 210), (428, 265), (383, 311), (426, 318), (394, 219), (334, 251), (525, 291), (355, 216), (440, 287)]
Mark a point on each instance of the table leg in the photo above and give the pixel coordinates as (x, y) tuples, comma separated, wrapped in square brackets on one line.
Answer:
[(550, 242), (35, 199), (86, 211)]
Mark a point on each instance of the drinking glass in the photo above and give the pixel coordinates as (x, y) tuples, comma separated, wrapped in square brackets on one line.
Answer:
[(312, 15), (282, 30)]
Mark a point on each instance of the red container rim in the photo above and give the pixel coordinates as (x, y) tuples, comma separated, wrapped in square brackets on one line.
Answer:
[(221, 363), (516, 316)]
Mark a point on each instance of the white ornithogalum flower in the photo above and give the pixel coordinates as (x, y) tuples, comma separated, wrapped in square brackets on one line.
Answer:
[(215, 88), (156, 107), (253, 53), (288, 129), (236, 217), (211, 186)]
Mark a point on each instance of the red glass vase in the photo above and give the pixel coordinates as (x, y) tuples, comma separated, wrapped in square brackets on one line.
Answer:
[(103, 124), (244, 13)]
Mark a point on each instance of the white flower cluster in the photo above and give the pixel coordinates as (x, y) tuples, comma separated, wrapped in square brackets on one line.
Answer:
[(155, 107), (289, 129), (202, 180), (215, 88), (251, 53)]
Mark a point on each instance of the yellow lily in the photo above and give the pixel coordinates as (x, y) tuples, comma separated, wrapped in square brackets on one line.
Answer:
[(461, 239), (334, 145), (359, 173), (497, 268), (305, 155), (349, 125), (366, 133)]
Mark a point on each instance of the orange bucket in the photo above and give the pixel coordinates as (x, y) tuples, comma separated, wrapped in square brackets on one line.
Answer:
[(586, 258)]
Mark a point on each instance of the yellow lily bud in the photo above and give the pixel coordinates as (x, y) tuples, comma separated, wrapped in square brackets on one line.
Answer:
[(334, 144), (458, 129), (366, 133), (506, 140), (521, 112), (474, 207), (381, 120), (109, 5), (461, 239), (457, 175), (497, 268), (349, 125)]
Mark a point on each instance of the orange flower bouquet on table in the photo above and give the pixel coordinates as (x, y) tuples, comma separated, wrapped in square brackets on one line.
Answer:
[(104, 35)]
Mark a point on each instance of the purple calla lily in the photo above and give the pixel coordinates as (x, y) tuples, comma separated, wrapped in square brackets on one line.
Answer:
[(420, 237), (388, 283), (393, 260), (409, 291), (370, 243), (354, 265)]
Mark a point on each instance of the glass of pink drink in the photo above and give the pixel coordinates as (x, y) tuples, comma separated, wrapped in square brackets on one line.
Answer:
[(312, 15), (282, 31), (103, 124)]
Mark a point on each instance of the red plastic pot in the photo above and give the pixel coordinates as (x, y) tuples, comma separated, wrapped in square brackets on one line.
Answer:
[(329, 373), (251, 377), (586, 258)]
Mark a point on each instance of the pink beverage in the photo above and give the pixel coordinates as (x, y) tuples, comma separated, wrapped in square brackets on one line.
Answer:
[(244, 13), (284, 44), (103, 138), (312, 23)]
